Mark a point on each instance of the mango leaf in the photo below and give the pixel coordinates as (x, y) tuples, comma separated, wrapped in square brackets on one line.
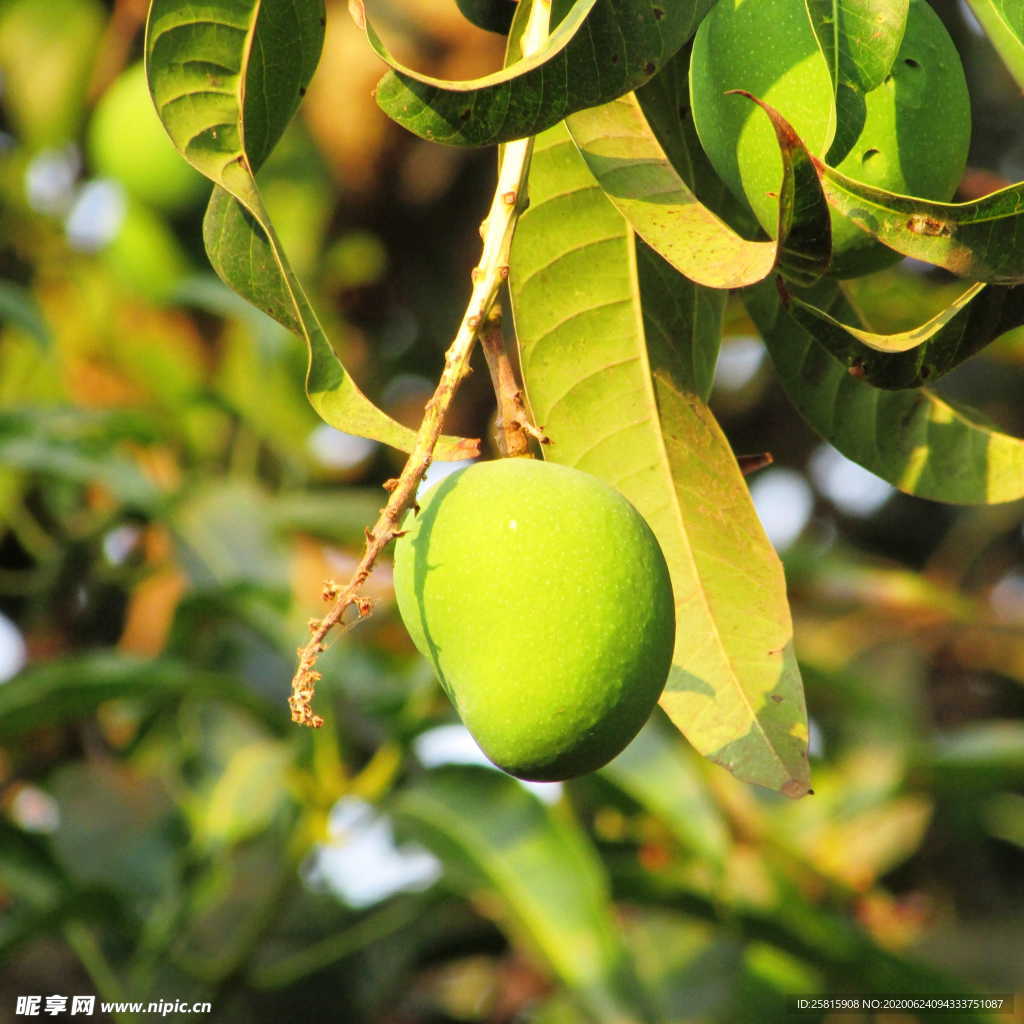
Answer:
[(245, 797), (491, 15), (18, 307), (609, 339), (622, 151), (116, 831), (913, 439), (225, 97), (658, 773), (39, 897), (830, 941), (980, 756), (859, 38), (339, 515), (1003, 22), (665, 101), (909, 359), (530, 94), (81, 447), (490, 831), (977, 240), (61, 691)]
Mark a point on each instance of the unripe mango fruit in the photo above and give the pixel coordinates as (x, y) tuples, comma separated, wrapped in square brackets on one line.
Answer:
[(909, 135), (128, 143), (543, 601)]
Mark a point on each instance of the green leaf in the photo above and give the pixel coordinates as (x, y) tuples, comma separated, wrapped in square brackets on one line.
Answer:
[(246, 795), (984, 756), (828, 940), (38, 895), (693, 969), (70, 688), (977, 240), (79, 447), (610, 339), (599, 50), (913, 439), (619, 146), (488, 829), (859, 38), (225, 97), (909, 359), (665, 101), (1003, 22), (115, 830), (18, 307), (658, 773), (491, 15), (339, 515)]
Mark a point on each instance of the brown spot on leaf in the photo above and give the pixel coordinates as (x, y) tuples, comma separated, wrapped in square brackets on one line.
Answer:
[(922, 224), (795, 789)]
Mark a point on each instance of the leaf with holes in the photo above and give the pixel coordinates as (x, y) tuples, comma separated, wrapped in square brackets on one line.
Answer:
[(616, 351), (227, 77), (633, 39), (859, 38)]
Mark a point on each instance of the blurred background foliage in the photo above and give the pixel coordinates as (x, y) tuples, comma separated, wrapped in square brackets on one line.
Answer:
[(170, 507)]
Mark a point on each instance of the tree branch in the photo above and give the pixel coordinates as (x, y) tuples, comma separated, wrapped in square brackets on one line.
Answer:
[(488, 277)]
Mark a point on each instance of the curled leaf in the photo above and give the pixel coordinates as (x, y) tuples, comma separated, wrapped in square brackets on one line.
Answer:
[(225, 104), (533, 93), (623, 153), (914, 439), (910, 359)]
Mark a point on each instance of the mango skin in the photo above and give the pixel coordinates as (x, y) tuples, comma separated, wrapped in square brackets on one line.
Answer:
[(909, 135), (127, 142), (543, 601)]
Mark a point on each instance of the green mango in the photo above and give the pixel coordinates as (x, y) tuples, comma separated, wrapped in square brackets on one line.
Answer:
[(127, 142), (909, 135), (543, 601), (145, 255)]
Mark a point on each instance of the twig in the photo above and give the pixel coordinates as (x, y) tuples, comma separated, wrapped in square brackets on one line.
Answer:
[(515, 428), (115, 48), (488, 278)]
